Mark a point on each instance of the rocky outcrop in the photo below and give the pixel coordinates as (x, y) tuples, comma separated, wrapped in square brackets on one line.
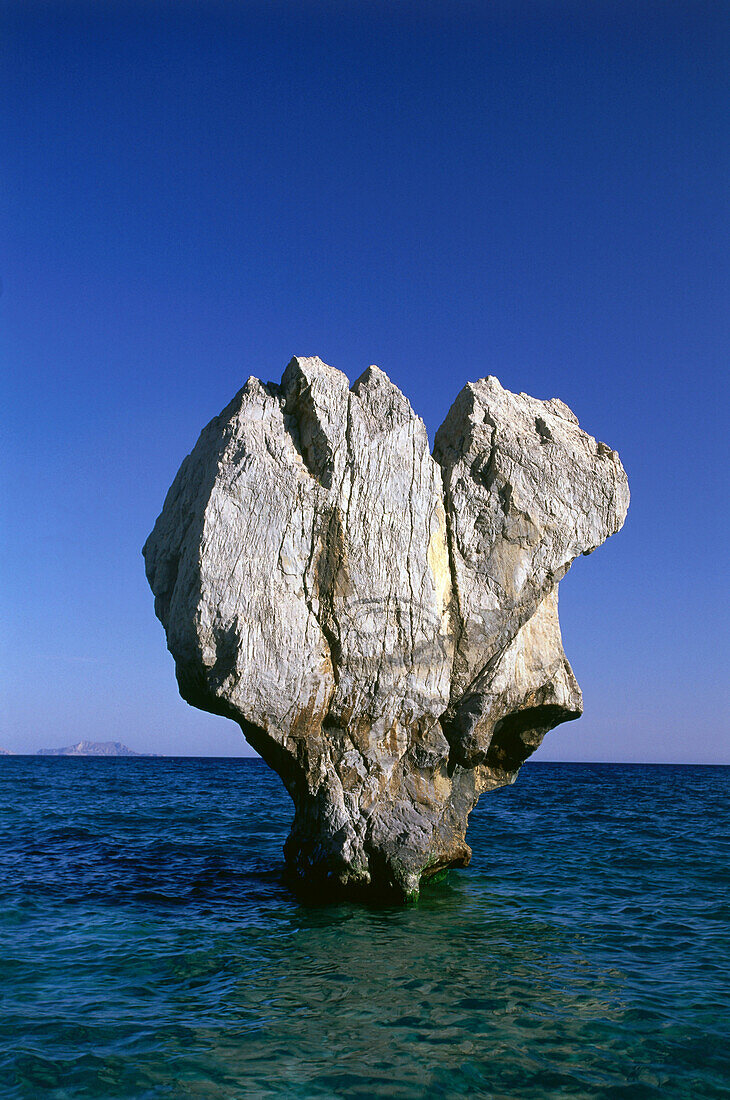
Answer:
[(381, 622)]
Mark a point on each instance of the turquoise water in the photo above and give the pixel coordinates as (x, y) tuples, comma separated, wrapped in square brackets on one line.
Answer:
[(151, 949)]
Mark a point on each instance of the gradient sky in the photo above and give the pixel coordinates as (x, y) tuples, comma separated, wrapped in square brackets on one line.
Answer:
[(192, 193)]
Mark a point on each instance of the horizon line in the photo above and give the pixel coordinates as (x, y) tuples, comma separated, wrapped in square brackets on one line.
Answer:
[(54, 755)]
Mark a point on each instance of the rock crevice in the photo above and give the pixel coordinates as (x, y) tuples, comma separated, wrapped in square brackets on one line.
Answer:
[(381, 621)]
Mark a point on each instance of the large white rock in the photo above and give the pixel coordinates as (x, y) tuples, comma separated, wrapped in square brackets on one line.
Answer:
[(381, 623)]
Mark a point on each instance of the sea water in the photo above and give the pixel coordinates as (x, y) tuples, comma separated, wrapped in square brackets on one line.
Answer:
[(151, 947)]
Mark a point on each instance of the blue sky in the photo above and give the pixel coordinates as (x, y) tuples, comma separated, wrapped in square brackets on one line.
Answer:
[(192, 193)]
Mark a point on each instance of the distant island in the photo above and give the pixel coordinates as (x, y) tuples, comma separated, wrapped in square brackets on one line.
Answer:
[(93, 748)]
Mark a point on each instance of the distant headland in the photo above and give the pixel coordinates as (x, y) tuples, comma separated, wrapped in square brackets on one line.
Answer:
[(93, 748)]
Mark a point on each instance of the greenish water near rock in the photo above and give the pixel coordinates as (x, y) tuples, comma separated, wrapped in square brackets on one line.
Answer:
[(150, 947)]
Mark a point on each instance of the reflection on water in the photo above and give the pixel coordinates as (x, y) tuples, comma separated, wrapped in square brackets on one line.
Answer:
[(152, 949)]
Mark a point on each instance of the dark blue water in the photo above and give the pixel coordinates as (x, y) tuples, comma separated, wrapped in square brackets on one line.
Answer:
[(151, 949)]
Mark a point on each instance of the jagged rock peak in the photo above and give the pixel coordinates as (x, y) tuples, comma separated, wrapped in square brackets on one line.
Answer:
[(381, 622)]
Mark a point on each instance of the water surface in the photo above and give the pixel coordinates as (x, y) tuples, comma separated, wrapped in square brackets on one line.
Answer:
[(151, 949)]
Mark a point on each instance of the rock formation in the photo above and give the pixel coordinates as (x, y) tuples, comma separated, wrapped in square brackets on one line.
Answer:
[(381, 622)]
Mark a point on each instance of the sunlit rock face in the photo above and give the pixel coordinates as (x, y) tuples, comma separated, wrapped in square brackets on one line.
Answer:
[(381, 621)]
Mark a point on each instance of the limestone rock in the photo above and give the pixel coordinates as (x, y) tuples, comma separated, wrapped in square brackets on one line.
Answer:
[(381, 622), (526, 492)]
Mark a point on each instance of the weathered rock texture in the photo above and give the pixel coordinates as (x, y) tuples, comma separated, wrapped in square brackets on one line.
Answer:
[(381, 622)]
